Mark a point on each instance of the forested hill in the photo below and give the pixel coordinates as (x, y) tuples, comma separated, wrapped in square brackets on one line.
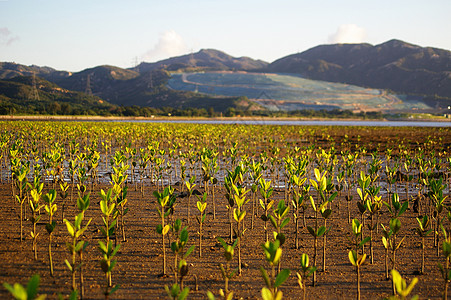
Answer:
[(394, 65)]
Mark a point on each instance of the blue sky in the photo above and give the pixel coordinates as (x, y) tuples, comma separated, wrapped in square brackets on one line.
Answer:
[(77, 34)]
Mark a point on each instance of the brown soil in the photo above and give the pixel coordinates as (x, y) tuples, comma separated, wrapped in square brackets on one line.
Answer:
[(140, 257)]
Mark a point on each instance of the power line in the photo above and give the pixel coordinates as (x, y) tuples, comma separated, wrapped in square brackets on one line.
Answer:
[(88, 85), (34, 95)]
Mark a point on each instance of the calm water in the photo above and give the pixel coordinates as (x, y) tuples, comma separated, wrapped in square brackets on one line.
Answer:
[(306, 123)]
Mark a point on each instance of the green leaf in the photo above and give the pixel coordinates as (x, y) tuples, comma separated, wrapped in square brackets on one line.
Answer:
[(352, 257), (365, 240), (266, 294), (69, 266), (73, 295), (359, 192), (103, 247), (311, 231), (265, 277), (361, 259), (50, 227), (159, 228), (174, 247), (397, 280), (189, 251), (79, 246), (104, 207), (112, 264), (223, 243), (312, 201), (115, 249), (326, 213), (284, 223), (403, 208), (395, 225), (281, 277), (277, 256), (184, 293), (304, 261), (317, 174), (184, 235), (115, 288), (230, 296), (70, 228), (166, 229), (321, 231), (17, 290), (273, 221), (409, 289), (210, 296), (279, 295), (281, 237), (242, 215)]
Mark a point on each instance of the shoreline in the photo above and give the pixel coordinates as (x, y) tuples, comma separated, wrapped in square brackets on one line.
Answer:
[(176, 118)]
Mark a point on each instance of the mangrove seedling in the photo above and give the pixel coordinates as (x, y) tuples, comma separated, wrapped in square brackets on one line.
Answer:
[(162, 200), (30, 292), (20, 175), (359, 240), (238, 215), (423, 231), (64, 186), (35, 206), (190, 187), (321, 186), (176, 293), (201, 207), (401, 288), (396, 208), (50, 208), (109, 218), (306, 271), (226, 273), (279, 220), (75, 231), (255, 172), (177, 247), (357, 260), (299, 201), (389, 242), (445, 270), (266, 192), (273, 254), (107, 264), (435, 193), (122, 211)]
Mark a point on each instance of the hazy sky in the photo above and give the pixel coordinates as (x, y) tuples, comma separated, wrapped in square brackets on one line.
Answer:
[(77, 34)]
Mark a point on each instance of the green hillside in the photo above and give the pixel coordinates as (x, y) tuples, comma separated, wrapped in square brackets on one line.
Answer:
[(287, 92), (17, 96)]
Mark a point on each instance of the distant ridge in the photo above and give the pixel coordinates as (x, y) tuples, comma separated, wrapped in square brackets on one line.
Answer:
[(394, 65), (397, 66), (205, 59)]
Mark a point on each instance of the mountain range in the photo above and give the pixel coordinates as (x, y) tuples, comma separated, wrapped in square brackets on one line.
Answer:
[(395, 65)]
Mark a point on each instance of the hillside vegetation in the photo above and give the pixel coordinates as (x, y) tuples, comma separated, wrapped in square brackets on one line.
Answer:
[(394, 65), (423, 74), (277, 92)]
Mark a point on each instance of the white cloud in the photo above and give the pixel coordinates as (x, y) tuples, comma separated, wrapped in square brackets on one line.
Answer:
[(348, 33), (6, 37), (169, 44)]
